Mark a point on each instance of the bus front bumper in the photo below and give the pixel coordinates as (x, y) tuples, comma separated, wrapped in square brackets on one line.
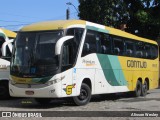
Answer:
[(52, 91)]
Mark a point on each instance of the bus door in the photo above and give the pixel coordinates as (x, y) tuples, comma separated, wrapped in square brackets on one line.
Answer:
[(67, 68), (69, 58)]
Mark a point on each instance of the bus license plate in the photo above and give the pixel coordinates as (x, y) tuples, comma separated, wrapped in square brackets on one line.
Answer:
[(29, 92)]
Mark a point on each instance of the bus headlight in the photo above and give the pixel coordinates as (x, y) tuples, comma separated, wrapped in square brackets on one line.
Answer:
[(56, 80)]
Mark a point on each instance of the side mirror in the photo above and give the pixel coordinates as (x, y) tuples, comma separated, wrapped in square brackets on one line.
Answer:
[(4, 47), (60, 43)]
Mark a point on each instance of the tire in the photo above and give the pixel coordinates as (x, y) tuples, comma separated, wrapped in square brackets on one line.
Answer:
[(84, 97), (4, 90), (138, 89), (144, 89), (43, 101)]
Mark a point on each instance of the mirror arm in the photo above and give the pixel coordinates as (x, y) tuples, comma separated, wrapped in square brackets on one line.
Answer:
[(60, 43), (4, 47)]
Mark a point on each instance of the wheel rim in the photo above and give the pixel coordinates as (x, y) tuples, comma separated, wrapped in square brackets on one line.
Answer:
[(83, 94)]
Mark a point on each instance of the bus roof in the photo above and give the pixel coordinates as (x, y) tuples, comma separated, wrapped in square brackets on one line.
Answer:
[(63, 24), (9, 33), (51, 25)]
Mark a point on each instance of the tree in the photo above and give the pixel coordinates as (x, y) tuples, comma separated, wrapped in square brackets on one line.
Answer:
[(141, 16), (106, 12), (144, 17)]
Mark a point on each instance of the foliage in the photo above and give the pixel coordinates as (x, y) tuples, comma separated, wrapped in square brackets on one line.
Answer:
[(139, 15), (107, 12), (144, 17)]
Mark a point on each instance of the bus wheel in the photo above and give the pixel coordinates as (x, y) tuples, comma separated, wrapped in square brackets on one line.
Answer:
[(84, 97), (43, 101), (4, 90), (138, 89), (144, 89)]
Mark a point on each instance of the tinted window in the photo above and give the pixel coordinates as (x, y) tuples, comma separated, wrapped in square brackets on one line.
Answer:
[(147, 51), (118, 46), (129, 48), (77, 33), (140, 52), (47, 40), (154, 52), (105, 44), (90, 45), (67, 53)]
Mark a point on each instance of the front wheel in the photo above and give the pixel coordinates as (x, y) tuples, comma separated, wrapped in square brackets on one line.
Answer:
[(84, 97)]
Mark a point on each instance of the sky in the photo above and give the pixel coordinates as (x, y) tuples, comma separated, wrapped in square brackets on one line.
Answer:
[(15, 14)]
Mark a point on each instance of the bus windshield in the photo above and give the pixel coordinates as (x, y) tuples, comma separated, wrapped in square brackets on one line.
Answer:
[(34, 54)]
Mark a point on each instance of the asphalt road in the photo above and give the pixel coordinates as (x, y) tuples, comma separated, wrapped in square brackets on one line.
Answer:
[(118, 102)]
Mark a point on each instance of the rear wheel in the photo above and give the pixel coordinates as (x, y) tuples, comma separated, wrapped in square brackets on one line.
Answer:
[(84, 97), (43, 101), (138, 89), (4, 90), (144, 89)]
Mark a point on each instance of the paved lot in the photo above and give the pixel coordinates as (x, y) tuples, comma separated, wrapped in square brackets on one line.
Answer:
[(118, 102)]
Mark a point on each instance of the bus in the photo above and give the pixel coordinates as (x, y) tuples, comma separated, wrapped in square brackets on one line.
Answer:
[(6, 40), (77, 59)]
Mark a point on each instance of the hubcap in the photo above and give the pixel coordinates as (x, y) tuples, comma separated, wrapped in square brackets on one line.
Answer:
[(83, 94)]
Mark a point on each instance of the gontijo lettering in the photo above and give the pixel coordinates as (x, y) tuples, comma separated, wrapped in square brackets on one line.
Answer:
[(136, 64)]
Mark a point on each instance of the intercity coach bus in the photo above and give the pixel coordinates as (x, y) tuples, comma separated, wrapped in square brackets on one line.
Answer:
[(77, 59), (6, 40)]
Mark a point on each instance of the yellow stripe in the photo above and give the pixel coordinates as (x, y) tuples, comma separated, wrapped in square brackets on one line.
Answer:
[(52, 25), (9, 33), (21, 80)]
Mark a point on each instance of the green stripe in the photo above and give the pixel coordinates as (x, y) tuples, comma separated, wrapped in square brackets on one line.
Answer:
[(97, 29), (112, 70)]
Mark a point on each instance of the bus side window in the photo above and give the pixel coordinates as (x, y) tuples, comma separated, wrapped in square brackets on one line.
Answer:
[(140, 49), (148, 52), (67, 60), (129, 48), (118, 46), (77, 33), (90, 43), (105, 44), (1, 43), (154, 51)]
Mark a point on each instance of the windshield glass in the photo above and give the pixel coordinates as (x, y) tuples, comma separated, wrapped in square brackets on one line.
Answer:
[(34, 54)]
